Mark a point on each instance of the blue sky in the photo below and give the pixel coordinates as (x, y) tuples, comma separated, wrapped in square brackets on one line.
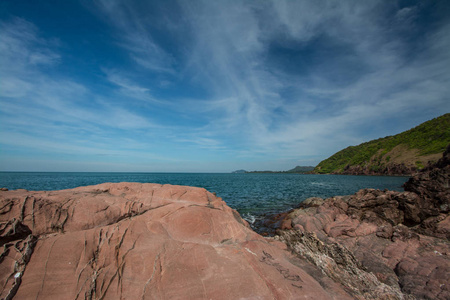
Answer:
[(213, 86)]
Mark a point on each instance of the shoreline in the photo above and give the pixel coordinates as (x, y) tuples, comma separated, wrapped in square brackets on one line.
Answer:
[(403, 238), (140, 240), (320, 234)]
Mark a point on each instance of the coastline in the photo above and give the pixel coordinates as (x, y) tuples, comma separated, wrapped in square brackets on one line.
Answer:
[(321, 234), (403, 238), (142, 241)]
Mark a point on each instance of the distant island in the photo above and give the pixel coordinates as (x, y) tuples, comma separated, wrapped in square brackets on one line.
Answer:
[(297, 170), (401, 154), (239, 171)]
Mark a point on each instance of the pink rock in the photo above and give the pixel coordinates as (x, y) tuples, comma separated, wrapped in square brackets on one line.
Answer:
[(365, 228), (310, 224), (345, 227), (286, 224), (341, 218), (141, 241), (299, 228)]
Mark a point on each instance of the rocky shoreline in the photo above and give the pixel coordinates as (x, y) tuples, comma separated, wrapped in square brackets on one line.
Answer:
[(143, 241), (151, 241), (389, 170), (402, 238)]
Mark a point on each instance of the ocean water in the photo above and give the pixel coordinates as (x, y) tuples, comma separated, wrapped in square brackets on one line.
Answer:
[(253, 195)]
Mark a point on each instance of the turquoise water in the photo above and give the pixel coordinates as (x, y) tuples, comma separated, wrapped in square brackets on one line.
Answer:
[(253, 195)]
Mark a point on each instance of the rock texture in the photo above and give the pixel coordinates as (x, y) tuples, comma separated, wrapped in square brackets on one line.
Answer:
[(143, 241), (402, 238)]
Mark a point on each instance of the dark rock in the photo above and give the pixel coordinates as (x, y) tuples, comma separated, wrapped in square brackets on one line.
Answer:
[(391, 170), (433, 187), (13, 230)]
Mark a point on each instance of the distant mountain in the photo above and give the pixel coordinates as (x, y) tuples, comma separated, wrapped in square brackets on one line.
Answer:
[(239, 171), (401, 154), (297, 169), (301, 169)]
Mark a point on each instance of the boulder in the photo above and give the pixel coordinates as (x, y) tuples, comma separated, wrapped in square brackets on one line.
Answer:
[(143, 241)]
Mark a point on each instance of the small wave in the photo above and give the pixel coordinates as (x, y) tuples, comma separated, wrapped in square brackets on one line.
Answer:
[(249, 218), (320, 184)]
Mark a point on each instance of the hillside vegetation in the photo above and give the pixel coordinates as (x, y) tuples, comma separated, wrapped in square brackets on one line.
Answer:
[(401, 154), (301, 169)]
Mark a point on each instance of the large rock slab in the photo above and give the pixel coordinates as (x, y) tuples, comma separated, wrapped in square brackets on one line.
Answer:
[(142, 241)]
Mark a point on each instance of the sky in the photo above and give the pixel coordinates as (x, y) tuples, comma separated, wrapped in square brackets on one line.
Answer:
[(213, 86)]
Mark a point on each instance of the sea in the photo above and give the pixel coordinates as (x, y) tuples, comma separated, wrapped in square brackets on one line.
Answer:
[(253, 195)]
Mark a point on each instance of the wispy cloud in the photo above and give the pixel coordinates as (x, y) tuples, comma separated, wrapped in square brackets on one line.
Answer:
[(135, 36), (22, 53), (355, 62), (128, 88), (360, 71), (124, 83), (21, 45), (256, 81), (56, 113)]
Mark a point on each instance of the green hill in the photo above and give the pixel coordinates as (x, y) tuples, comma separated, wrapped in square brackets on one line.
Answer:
[(301, 169), (401, 154)]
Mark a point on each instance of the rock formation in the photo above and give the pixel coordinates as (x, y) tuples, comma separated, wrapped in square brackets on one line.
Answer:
[(391, 169), (150, 241), (143, 241), (402, 238)]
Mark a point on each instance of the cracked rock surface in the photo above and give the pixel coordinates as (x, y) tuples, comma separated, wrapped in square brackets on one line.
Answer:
[(401, 239), (143, 241)]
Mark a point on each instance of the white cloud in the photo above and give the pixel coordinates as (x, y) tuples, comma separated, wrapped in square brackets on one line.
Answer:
[(248, 90), (22, 52), (135, 36), (227, 54), (54, 111), (127, 87), (125, 83), (283, 79), (21, 46)]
